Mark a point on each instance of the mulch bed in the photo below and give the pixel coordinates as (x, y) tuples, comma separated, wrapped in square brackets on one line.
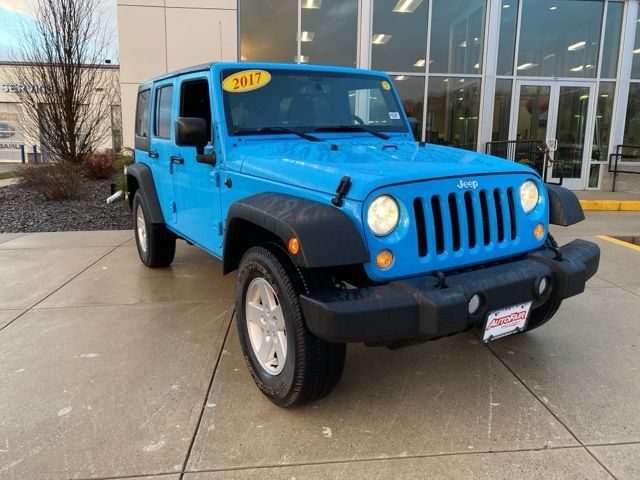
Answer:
[(23, 210)]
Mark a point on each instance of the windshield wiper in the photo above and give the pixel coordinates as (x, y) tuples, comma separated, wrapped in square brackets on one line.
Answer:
[(268, 130), (351, 128)]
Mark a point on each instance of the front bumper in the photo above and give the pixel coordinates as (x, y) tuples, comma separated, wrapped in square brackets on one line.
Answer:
[(417, 309)]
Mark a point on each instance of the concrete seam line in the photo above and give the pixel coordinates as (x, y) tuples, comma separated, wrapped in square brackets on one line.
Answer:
[(619, 242), (551, 412), (232, 311), (63, 285)]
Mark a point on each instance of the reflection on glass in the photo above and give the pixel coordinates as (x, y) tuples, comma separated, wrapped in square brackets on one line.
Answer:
[(404, 22), (501, 110), (632, 121), (332, 27), (507, 42), (274, 44), (559, 38), (594, 175), (604, 114), (457, 34), (533, 112), (613, 27), (453, 106), (635, 66), (571, 126), (411, 91)]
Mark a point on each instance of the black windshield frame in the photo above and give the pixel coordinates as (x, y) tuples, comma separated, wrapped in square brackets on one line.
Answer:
[(391, 98)]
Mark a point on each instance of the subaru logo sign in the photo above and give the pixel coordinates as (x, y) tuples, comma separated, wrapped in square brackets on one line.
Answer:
[(473, 184)]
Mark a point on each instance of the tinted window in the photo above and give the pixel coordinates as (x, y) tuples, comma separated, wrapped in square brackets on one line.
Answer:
[(142, 114), (277, 43), (194, 101), (164, 95)]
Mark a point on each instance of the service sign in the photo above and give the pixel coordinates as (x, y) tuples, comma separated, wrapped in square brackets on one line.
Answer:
[(246, 81)]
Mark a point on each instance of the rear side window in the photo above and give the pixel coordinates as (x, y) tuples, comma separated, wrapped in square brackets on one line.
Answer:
[(142, 114), (164, 96)]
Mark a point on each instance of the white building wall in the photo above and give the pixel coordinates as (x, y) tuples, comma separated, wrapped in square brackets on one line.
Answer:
[(159, 36)]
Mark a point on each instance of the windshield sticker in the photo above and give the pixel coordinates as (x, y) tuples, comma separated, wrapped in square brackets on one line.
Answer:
[(394, 115), (246, 81), (386, 85)]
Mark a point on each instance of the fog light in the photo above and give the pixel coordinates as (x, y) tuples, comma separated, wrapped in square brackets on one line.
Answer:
[(538, 232), (384, 259), (542, 286), (293, 246), (474, 304)]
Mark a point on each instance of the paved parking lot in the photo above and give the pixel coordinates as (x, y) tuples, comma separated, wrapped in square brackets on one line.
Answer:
[(111, 370)]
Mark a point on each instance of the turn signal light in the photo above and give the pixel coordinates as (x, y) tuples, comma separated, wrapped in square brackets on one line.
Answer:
[(538, 232), (293, 246), (384, 259)]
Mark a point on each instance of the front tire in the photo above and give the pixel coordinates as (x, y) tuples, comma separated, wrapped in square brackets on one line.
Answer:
[(289, 364), (156, 245)]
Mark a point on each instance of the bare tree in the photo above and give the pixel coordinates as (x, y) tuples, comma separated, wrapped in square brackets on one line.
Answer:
[(66, 92)]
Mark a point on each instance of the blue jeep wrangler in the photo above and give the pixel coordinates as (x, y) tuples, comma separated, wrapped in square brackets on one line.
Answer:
[(342, 228)]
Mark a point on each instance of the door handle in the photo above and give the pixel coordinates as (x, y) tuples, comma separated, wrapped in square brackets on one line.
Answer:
[(178, 160), (153, 154)]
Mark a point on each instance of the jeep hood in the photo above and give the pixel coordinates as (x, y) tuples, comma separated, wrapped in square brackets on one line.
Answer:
[(316, 167)]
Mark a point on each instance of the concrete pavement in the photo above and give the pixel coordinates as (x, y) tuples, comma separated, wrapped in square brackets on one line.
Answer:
[(112, 370)]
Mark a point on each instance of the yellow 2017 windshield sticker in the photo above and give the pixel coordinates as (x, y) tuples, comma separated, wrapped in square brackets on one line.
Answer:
[(246, 81)]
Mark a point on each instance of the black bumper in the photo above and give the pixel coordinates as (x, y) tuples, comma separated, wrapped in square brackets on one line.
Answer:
[(416, 309)]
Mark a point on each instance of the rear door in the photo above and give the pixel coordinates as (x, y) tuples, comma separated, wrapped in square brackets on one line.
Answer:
[(196, 186), (162, 147)]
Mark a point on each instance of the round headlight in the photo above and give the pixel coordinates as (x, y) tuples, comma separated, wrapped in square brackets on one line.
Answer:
[(529, 196), (383, 215)]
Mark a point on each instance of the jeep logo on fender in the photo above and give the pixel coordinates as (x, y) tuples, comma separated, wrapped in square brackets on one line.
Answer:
[(472, 184)]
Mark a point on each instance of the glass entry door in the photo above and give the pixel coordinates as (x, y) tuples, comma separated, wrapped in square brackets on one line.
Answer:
[(559, 114)]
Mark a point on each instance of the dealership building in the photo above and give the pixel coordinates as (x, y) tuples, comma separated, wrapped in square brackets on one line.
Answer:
[(469, 72)]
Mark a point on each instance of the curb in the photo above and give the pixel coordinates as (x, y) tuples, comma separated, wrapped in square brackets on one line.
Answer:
[(610, 205)]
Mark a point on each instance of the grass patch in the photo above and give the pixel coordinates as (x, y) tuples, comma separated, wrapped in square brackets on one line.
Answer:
[(5, 175)]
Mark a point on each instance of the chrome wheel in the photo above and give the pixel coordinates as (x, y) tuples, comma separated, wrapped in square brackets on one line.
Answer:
[(265, 324), (141, 228)]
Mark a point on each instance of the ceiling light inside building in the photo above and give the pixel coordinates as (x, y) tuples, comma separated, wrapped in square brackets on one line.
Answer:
[(420, 63), (477, 65), (506, 5), (636, 51), (311, 3), (553, 7), (551, 55), (400, 77), (380, 38), (576, 46), (464, 44), (307, 36), (301, 59), (604, 95), (406, 6), (526, 66), (577, 69), (584, 97)]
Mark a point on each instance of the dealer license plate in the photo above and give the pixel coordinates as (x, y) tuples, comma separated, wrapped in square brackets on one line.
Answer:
[(506, 321)]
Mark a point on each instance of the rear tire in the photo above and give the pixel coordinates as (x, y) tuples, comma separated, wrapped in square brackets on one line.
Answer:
[(156, 244), (289, 364)]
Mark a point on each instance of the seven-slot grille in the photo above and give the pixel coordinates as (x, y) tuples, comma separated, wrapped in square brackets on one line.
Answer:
[(464, 220)]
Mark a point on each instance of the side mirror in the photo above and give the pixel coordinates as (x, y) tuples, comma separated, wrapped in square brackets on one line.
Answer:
[(192, 132)]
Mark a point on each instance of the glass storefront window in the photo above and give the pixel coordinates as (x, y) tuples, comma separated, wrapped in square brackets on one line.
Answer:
[(632, 121), (533, 112), (329, 30), (501, 110), (457, 36), (604, 115), (507, 42), (635, 66), (611, 44), (274, 44), (399, 40), (453, 107), (559, 38), (411, 91)]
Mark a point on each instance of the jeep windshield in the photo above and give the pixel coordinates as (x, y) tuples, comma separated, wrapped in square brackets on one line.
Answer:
[(276, 101)]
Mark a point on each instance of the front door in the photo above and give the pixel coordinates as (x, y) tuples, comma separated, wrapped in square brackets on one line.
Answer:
[(557, 113)]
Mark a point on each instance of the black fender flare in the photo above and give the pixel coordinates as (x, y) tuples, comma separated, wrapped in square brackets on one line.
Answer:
[(139, 177), (564, 206), (326, 235)]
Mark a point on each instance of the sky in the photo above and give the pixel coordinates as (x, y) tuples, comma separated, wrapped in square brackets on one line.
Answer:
[(15, 12)]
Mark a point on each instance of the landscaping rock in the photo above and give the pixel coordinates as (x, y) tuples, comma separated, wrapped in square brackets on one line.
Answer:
[(24, 210)]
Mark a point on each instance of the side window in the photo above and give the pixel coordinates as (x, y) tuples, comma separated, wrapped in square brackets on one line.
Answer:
[(194, 101), (142, 121), (162, 124)]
